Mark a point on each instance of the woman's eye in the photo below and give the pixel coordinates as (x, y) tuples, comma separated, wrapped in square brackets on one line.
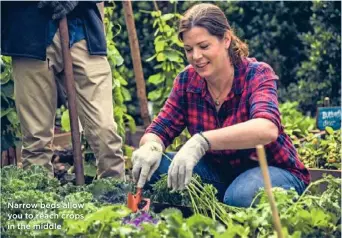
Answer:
[(204, 46), (188, 50)]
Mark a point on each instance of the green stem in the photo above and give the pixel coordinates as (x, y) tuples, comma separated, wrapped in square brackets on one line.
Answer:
[(101, 230), (205, 200), (301, 196), (193, 203), (255, 198)]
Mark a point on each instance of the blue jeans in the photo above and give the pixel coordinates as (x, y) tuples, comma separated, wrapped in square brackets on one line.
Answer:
[(240, 190)]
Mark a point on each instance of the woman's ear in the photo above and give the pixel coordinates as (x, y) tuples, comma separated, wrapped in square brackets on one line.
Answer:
[(227, 39)]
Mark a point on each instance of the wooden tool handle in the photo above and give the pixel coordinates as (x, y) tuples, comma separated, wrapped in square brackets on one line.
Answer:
[(268, 187), (71, 92)]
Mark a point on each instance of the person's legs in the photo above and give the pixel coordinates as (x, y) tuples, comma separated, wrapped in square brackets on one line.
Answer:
[(93, 79), (208, 173), (36, 102), (242, 190)]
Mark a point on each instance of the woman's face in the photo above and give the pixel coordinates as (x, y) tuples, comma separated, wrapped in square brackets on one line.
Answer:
[(205, 52)]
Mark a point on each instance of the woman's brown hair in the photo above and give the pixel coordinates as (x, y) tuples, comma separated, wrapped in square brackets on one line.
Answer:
[(212, 18)]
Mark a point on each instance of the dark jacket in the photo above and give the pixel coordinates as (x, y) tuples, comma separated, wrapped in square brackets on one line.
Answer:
[(24, 28)]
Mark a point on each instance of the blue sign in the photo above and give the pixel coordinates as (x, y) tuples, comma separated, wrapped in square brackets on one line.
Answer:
[(328, 116)]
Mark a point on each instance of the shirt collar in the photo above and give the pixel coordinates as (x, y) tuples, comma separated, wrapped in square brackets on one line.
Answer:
[(197, 83)]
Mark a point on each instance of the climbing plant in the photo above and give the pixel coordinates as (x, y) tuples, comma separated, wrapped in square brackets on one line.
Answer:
[(168, 57), (10, 126), (120, 92)]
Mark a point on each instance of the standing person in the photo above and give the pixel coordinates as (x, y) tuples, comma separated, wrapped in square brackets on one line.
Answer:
[(30, 35), (228, 102)]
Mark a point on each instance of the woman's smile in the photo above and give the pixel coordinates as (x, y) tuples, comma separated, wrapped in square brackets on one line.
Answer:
[(205, 52), (201, 66)]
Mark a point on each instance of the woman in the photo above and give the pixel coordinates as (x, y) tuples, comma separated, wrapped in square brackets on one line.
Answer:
[(229, 104)]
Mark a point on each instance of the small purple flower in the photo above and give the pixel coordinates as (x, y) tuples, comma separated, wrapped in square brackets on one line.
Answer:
[(138, 218)]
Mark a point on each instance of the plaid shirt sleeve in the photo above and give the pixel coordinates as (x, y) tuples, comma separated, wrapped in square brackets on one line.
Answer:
[(264, 100), (170, 121)]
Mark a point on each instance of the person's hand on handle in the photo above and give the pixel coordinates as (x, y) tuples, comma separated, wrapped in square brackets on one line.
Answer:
[(181, 168), (60, 8), (146, 161)]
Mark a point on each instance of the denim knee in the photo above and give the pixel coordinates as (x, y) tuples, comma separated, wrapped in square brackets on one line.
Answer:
[(242, 190), (239, 196)]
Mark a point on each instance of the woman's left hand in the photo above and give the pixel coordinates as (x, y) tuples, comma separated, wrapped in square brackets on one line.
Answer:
[(181, 168)]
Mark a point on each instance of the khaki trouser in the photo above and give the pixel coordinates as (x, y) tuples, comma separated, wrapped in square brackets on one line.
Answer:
[(36, 102)]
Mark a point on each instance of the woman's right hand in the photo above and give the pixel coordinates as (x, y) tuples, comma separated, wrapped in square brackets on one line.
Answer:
[(146, 161)]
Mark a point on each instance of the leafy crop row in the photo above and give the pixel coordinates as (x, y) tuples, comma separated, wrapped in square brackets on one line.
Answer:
[(103, 212)]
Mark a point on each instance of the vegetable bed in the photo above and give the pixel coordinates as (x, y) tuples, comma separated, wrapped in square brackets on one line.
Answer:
[(99, 210)]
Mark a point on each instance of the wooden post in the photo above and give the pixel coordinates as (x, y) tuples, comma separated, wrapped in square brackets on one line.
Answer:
[(155, 5), (4, 158), (135, 52), (268, 189), (71, 92), (326, 102), (12, 156)]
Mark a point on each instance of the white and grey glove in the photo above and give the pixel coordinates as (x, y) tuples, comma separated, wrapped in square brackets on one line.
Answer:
[(183, 163), (146, 161)]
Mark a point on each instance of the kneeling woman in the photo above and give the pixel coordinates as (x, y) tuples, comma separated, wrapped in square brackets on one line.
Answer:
[(228, 102)]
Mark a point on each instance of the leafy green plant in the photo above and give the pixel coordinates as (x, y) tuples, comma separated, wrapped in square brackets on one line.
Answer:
[(120, 93), (168, 56), (162, 194), (296, 124), (312, 214), (324, 152), (170, 61), (10, 125)]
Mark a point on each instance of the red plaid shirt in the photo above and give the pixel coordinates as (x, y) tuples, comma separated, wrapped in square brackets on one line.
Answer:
[(253, 95)]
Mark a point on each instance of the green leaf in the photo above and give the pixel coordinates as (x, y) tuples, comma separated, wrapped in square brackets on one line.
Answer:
[(89, 169), (166, 17), (4, 112), (159, 46), (151, 58), (130, 123), (329, 130), (173, 56), (108, 213), (8, 90), (155, 95), (156, 79), (320, 218), (13, 117), (160, 57), (65, 121), (126, 94)]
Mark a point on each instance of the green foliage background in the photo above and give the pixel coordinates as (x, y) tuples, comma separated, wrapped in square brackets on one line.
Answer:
[(300, 40)]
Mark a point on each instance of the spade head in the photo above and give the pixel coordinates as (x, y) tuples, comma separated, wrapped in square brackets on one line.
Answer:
[(136, 202)]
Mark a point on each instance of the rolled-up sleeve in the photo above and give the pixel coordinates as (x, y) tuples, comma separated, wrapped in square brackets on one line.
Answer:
[(170, 121), (264, 99)]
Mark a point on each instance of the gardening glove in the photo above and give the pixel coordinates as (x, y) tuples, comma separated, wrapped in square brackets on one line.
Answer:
[(146, 161), (60, 8), (181, 168)]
